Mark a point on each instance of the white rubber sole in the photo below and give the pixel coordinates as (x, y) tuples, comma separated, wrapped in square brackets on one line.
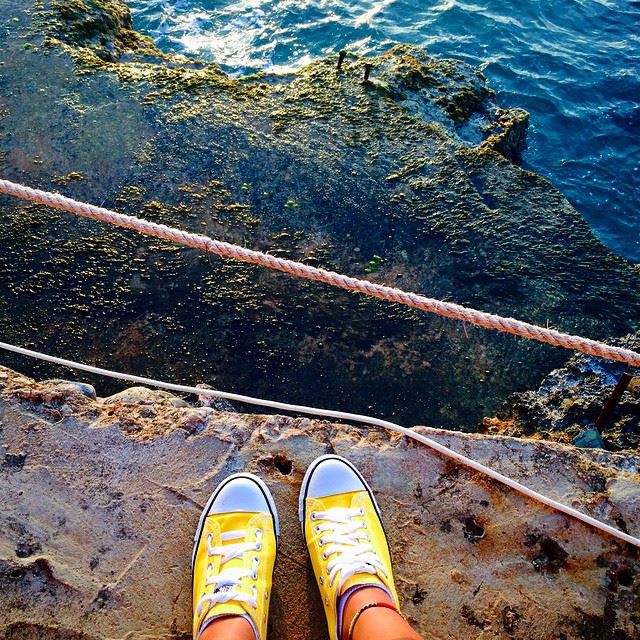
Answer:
[(307, 478), (205, 511)]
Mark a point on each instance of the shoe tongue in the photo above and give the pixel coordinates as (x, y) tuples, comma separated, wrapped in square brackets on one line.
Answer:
[(230, 522), (347, 500)]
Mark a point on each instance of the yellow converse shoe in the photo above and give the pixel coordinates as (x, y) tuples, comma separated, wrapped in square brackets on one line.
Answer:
[(234, 553), (343, 531)]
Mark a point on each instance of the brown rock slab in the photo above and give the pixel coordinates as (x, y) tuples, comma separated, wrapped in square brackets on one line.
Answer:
[(98, 518)]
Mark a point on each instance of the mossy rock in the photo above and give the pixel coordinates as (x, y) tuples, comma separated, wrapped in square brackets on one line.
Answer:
[(316, 166)]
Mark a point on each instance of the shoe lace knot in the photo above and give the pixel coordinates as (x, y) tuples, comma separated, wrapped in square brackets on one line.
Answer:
[(346, 544)]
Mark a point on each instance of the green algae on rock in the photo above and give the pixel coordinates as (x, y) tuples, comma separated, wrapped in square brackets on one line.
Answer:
[(315, 165), (104, 26)]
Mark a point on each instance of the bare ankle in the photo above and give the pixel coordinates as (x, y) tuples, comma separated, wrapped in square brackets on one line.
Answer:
[(382, 622), (356, 600), (228, 628)]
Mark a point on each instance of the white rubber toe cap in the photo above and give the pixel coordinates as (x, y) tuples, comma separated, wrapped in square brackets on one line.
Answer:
[(331, 475), (239, 493)]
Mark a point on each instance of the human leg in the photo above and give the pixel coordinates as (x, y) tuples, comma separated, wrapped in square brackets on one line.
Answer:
[(349, 553)]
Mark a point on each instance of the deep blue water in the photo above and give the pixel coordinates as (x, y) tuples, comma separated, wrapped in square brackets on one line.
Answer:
[(573, 64)]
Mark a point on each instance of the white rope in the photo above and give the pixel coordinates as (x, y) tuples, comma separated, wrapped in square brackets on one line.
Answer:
[(445, 451), (431, 305)]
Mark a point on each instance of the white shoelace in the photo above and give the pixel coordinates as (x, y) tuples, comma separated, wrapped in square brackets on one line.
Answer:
[(227, 583), (349, 550)]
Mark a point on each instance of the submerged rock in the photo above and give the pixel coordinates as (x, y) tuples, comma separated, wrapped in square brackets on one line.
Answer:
[(100, 507), (397, 180)]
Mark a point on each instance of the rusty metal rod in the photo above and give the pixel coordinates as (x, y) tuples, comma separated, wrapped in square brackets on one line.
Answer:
[(341, 56), (612, 402)]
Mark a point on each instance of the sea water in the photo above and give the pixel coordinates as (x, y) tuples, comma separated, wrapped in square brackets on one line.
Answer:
[(573, 64)]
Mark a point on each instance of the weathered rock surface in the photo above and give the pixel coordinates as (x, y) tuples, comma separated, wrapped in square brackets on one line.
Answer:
[(570, 399), (397, 180), (101, 496)]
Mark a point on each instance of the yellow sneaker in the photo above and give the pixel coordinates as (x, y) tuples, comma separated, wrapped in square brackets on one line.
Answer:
[(343, 530), (234, 554)]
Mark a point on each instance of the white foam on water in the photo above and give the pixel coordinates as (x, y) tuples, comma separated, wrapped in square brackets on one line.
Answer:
[(245, 34), (232, 43), (367, 17), (233, 35)]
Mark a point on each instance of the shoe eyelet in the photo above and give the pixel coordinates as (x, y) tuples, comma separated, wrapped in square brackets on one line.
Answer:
[(361, 511), (321, 580), (313, 515), (258, 546), (316, 529), (321, 542), (324, 556), (254, 575)]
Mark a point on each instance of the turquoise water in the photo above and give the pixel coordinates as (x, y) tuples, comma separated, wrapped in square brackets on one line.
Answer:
[(573, 64)]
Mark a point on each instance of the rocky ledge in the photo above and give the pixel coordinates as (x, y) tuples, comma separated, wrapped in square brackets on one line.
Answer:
[(101, 496), (571, 399)]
